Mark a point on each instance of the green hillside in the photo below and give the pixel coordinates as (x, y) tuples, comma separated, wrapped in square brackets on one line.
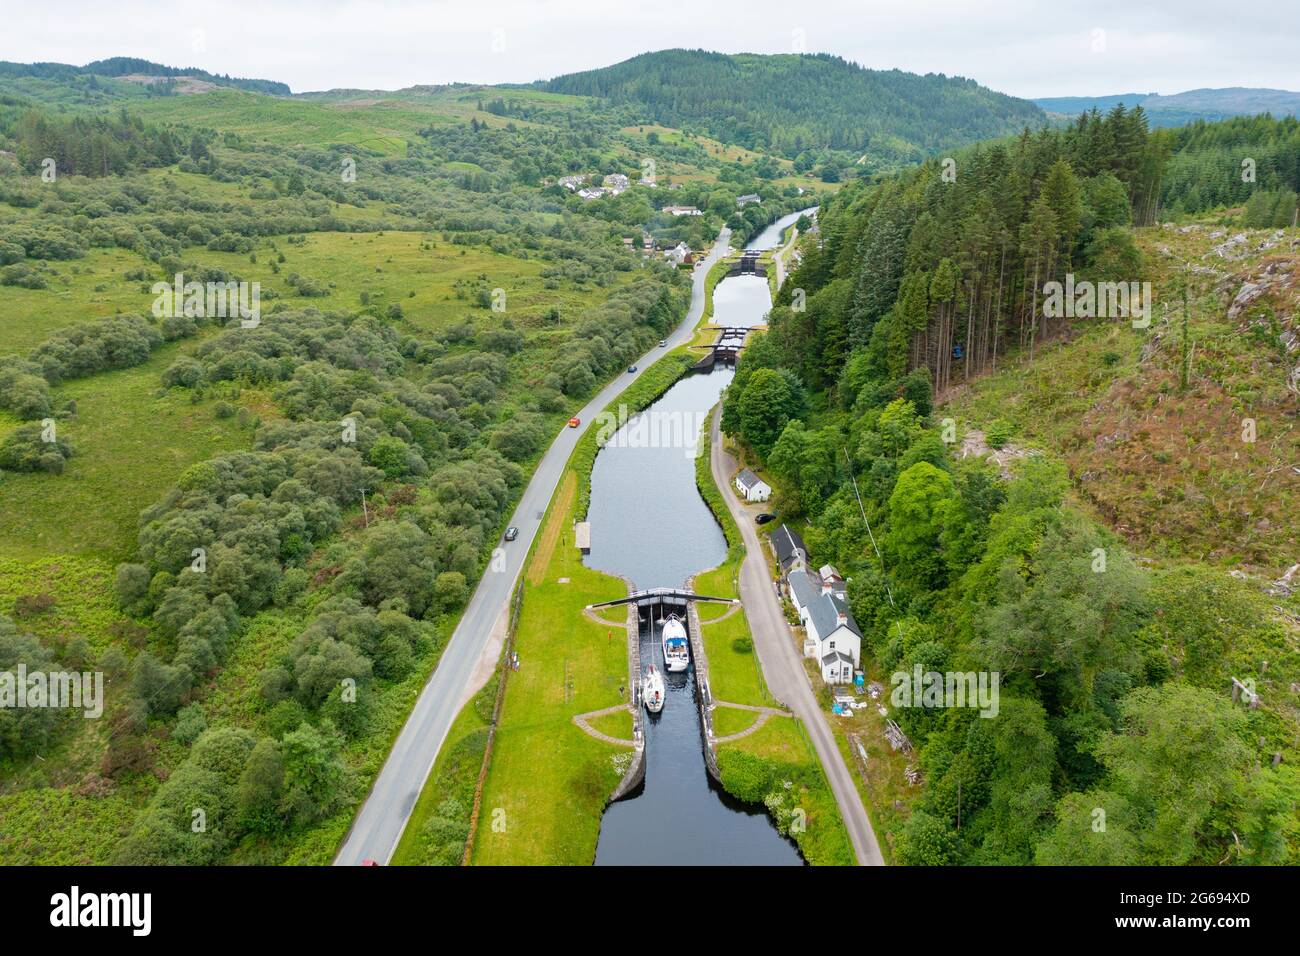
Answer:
[(796, 105)]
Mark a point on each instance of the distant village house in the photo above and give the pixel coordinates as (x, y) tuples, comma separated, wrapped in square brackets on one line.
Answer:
[(680, 254)]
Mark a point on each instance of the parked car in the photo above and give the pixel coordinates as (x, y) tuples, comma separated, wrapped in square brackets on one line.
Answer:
[(511, 533), (763, 517), (575, 421)]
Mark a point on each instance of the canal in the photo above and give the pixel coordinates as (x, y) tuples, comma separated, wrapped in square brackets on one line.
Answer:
[(650, 525)]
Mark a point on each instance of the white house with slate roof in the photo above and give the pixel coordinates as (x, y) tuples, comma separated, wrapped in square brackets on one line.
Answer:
[(831, 634), (752, 487)]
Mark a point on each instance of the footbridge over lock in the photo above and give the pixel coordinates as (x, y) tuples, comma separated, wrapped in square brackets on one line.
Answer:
[(653, 597)]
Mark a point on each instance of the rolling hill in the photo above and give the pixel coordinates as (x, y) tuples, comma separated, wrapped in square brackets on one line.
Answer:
[(1186, 107), (125, 66), (793, 104)]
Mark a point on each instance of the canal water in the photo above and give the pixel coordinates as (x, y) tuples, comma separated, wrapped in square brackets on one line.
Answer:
[(649, 524)]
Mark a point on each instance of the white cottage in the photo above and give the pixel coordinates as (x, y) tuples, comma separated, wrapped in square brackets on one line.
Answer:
[(830, 633), (751, 487)]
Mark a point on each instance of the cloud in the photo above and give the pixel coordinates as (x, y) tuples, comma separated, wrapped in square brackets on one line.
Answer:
[(1018, 46)]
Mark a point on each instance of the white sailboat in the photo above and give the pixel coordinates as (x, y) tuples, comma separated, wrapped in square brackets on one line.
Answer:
[(652, 690)]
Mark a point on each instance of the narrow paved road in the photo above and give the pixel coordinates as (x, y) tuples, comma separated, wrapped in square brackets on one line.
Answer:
[(383, 816), (782, 665)]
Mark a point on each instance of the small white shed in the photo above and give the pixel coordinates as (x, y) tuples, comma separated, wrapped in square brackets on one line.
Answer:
[(751, 487)]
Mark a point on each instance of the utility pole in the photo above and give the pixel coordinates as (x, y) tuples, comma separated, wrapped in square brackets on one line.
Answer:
[(364, 510)]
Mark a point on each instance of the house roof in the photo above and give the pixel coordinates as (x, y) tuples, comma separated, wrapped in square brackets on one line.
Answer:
[(841, 603), (806, 588), (831, 657), (787, 542), (749, 479), (825, 611)]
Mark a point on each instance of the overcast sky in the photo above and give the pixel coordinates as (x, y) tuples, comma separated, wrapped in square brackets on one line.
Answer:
[(1017, 46)]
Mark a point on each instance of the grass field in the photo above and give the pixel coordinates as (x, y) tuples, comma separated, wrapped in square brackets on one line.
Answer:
[(129, 444), (380, 122), (548, 781), (384, 127), (93, 287), (431, 280), (729, 720)]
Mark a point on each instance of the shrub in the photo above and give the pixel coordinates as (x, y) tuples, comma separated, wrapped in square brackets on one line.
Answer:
[(26, 605), (999, 433), (23, 730), (190, 723), (131, 585), (745, 775), (185, 372), (26, 449)]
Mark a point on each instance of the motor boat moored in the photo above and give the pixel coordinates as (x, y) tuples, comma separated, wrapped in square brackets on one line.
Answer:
[(677, 654)]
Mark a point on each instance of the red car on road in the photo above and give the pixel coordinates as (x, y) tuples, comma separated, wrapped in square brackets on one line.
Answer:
[(575, 421)]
